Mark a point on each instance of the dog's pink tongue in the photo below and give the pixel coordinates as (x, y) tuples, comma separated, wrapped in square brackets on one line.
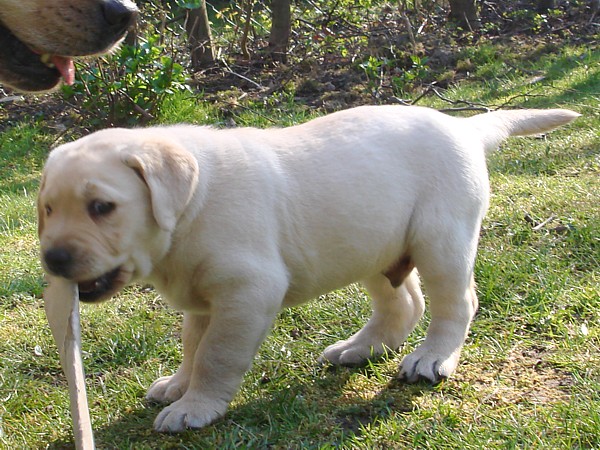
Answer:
[(66, 68)]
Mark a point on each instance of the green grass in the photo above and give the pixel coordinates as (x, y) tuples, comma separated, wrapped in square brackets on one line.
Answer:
[(529, 376)]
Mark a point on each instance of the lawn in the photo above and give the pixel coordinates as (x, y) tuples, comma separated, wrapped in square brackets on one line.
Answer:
[(529, 376)]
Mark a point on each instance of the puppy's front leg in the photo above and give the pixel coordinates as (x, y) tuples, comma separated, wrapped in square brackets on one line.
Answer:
[(171, 388), (236, 328)]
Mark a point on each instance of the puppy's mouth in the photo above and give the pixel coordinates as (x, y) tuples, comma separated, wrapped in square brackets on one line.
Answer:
[(102, 287)]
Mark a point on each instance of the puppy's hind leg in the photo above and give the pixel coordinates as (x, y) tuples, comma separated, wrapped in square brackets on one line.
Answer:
[(451, 289), (170, 388), (396, 311)]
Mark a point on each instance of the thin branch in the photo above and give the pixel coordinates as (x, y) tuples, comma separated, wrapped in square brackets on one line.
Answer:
[(411, 36), (248, 19), (228, 70)]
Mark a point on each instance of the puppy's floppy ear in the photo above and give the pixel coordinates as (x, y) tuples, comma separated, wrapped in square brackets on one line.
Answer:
[(171, 174)]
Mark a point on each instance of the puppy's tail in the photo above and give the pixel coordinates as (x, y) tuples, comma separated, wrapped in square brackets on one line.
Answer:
[(496, 126)]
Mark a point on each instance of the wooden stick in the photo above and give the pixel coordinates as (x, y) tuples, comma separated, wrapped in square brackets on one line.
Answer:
[(61, 302)]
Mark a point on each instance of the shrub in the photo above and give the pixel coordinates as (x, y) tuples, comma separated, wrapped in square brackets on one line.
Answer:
[(127, 87)]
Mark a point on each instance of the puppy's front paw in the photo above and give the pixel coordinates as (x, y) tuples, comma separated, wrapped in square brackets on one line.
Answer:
[(348, 353), (186, 413), (427, 365), (167, 389)]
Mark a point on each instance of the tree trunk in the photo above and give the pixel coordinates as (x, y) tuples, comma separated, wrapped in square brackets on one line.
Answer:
[(197, 27), (464, 14), (281, 23)]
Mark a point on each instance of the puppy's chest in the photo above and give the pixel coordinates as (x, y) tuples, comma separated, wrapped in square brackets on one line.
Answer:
[(181, 294)]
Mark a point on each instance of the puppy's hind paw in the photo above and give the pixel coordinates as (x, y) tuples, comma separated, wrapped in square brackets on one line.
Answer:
[(166, 389), (422, 365), (184, 414)]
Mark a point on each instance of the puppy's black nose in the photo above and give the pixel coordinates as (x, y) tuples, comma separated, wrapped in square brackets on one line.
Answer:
[(58, 261), (119, 14)]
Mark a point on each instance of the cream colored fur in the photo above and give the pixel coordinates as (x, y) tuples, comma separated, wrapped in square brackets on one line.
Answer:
[(231, 226)]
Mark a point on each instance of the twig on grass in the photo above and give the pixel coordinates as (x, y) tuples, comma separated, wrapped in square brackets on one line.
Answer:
[(470, 106), (538, 226)]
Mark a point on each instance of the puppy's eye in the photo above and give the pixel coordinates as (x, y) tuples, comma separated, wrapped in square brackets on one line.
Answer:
[(98, 208), (48, 210)]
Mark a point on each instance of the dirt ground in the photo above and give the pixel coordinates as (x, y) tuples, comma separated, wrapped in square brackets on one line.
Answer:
[(321, 77)]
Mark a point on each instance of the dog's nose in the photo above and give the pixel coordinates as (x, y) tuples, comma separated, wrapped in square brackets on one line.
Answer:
[(119, 14), (58, 261)]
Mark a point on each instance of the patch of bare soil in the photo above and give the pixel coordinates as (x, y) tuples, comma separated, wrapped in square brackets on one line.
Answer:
[(522, 376), (320, 75), (327, 79)]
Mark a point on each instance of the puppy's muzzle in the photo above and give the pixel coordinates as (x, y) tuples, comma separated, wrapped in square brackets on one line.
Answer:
[(59, 261)]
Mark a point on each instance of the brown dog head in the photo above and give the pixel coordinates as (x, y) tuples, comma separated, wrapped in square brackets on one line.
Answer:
[(108, 205), (39, 38)]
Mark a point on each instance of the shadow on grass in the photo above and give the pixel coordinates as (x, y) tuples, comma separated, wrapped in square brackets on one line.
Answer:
[(302, 414)]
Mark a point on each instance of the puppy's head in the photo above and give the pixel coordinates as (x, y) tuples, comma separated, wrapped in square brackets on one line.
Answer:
[(108, 205), (38, 39)]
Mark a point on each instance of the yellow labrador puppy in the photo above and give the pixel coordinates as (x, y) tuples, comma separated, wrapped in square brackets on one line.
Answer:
[(233, 225), (38, 39)]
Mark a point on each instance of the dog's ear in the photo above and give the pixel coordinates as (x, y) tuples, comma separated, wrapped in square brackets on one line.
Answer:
[(171, 174)]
